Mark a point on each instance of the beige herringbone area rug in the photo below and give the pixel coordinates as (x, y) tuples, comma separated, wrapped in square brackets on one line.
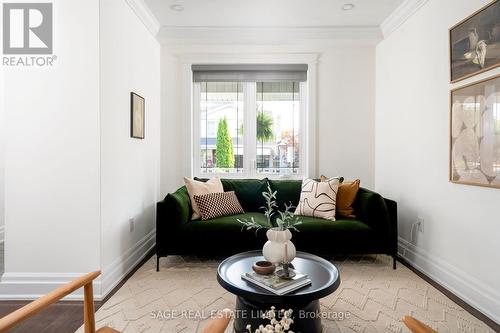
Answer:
[(372, 297)]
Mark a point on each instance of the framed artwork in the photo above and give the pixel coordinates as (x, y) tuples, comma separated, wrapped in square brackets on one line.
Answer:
[(475, 43), (475, 134), (137, 116)]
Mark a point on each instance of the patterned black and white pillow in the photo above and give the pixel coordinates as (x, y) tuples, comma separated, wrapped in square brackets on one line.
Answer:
[(318, 199), (214, 205)]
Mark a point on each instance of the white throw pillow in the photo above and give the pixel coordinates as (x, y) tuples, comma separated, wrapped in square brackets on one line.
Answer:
[(318, 199), (195, 187)]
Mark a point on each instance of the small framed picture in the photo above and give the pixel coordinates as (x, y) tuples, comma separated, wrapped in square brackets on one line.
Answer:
[(137, 116), (475, 43)]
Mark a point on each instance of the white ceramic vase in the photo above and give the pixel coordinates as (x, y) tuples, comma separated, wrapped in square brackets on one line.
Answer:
[(274, 249)]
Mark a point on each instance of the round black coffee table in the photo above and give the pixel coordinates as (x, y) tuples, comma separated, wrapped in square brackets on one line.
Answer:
[(252, 300)]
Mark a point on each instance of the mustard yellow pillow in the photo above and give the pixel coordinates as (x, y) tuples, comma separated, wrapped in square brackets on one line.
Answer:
[(345, 197)]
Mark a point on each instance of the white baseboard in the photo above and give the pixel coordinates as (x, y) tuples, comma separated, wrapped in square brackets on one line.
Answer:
[(118, 269), (29, 286), (460, 283)]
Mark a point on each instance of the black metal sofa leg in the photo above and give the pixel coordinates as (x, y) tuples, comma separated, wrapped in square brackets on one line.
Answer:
[(157, 263), (394, 262)]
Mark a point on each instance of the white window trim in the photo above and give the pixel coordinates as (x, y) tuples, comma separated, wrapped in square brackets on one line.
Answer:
[(191, 119)]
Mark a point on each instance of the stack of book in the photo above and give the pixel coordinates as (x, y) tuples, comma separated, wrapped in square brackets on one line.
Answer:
[(275, 284)]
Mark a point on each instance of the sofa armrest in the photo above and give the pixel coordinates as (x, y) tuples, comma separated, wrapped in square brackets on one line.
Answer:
[(370, 207), (392, 208), (171, 212)]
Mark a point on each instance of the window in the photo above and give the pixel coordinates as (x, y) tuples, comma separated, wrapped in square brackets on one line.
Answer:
[(249, 122), (221, 109), (278, 127)]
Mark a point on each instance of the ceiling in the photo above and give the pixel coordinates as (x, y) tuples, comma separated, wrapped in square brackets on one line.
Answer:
[(272, 13)]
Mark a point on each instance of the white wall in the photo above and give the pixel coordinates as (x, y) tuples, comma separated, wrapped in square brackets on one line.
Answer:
[(459, 247), (344, 115), (73, 175), (2, 158), (130, 181), (172, 129), (52, 156)]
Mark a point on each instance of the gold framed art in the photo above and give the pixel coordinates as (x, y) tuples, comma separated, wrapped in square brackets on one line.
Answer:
[(137, 116), (475, 133)]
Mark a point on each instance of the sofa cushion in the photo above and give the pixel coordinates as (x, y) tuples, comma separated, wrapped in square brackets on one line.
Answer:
[(288, 191), (344, 236), (248, 191), (179, 206), (313, 224), (224, 225)]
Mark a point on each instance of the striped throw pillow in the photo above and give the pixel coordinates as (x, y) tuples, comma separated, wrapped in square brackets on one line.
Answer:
[(219, 204)]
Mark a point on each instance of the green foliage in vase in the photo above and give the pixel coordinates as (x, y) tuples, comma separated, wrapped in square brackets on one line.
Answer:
[(224, 149), (286, 219)]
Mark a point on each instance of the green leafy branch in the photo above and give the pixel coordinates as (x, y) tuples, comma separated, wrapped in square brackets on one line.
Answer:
[(286, 220)]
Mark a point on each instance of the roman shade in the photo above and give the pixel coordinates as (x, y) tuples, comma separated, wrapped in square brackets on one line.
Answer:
[(250, 73)]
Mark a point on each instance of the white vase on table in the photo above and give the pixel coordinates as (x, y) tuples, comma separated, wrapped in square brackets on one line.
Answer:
[(274, 249)]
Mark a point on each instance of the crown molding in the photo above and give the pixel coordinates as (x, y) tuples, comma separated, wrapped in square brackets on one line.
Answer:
[(266, 35), (400, 15), (143, 12), (247, 58)]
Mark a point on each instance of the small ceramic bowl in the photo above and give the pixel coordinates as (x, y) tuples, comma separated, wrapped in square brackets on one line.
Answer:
[(263, 267)]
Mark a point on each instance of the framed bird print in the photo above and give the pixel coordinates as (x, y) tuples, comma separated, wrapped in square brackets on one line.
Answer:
[(475, 134), (137, 116), (475, 43)]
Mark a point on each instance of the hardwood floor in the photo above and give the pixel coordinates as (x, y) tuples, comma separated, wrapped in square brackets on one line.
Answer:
[(62, 317)]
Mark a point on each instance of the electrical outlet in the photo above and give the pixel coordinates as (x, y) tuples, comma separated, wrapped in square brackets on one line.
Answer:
[(131, 224), (420, 224)]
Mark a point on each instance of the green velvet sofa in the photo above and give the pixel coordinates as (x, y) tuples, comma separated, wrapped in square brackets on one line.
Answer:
[(374, 231)]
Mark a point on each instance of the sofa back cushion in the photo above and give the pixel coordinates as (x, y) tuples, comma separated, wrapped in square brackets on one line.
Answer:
[(178, 208), (248, 191), (288, 192)]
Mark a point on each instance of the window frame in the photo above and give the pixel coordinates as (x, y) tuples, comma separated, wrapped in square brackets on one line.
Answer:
[(250, 169), (190, 101)]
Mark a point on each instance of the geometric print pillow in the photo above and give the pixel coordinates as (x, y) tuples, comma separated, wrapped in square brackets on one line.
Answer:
[(214, 205), (318, 199)]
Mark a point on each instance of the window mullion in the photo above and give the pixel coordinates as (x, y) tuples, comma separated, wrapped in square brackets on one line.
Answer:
[(303, 131), (250, 132), (196, 128)]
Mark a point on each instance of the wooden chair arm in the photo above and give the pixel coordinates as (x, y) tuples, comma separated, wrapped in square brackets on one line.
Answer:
[(219, 324), (34, 307), (417, 326)]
